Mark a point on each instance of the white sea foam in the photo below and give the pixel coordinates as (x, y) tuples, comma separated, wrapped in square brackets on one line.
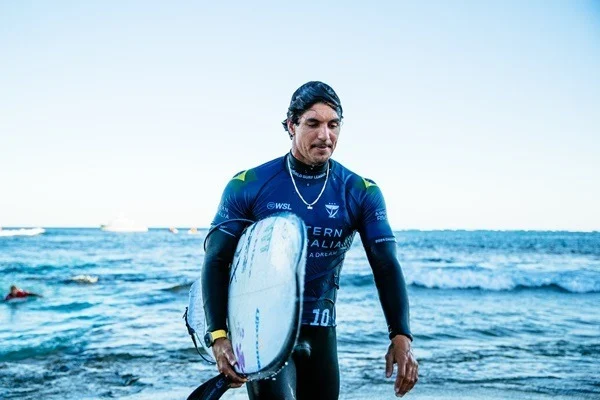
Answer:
[(21, 232), (496, 280), (85, 279)]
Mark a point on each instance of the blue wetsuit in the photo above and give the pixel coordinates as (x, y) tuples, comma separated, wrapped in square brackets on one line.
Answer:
[(348, 204)]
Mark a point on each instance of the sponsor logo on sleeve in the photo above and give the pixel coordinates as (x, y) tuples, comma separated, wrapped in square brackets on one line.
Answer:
[(387, 239), (223, 211)]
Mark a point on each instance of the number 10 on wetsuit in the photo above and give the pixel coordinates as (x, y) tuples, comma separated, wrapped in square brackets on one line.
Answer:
[(324, 317)]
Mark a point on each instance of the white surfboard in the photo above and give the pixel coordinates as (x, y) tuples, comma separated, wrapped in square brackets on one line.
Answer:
[(265, 295)]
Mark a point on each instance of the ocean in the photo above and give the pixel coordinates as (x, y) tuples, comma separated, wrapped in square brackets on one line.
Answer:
[(494, 314)]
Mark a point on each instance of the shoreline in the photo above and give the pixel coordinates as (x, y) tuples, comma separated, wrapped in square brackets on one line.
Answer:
[(380, 392)]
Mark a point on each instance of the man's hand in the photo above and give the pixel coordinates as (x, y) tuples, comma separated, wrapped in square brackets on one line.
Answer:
[(226, 360), (400, 353)]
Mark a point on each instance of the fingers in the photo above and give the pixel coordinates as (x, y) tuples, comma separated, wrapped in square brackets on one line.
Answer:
[(230, 358), (226, 368), (413, 377), (410, 380), (225, 362), (408, 369), (399, 384), (389, 363)]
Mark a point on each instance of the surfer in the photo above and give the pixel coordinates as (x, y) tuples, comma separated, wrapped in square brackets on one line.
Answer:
[(334, 203), (17, 293)]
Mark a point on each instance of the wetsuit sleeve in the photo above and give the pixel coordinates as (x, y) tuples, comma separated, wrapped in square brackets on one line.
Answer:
[(226, 229), (390, 286), (380, 245), (220, 247), (373, 224)]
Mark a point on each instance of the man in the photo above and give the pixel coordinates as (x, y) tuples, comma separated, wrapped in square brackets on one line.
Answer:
[(17, 293), (334, 203)]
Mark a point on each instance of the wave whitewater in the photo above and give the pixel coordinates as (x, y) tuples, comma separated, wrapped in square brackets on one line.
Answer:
[(582, 281)]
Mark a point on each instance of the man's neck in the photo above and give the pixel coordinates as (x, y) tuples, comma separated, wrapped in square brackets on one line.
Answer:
[(305, 169)]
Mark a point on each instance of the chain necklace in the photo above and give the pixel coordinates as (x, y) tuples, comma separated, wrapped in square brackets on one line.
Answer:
[(308, 205)]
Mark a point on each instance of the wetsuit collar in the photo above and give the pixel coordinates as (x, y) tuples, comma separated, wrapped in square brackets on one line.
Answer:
[(305, 169)]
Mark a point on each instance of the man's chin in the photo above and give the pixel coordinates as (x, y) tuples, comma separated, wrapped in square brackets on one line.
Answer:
[(321, 156), (320, 160)]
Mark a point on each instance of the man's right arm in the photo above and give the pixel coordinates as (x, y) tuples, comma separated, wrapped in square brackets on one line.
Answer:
[(220, 248)]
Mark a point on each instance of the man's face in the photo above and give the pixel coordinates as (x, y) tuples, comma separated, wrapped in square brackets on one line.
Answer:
[(315, 137)]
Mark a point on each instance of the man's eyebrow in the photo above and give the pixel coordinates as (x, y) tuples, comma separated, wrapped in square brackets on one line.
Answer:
[(312, 119)]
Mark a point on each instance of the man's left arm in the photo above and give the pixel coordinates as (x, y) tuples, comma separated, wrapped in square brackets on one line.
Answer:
[(380, 246), (394, 301)]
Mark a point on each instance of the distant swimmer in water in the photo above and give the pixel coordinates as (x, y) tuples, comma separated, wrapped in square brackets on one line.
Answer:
[(17, 293)]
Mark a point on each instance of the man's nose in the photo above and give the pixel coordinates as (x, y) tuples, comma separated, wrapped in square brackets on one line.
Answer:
[(324, 133)]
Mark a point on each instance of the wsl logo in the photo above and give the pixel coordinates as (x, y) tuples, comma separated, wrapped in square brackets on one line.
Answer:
[(332, 210), (279, 206)]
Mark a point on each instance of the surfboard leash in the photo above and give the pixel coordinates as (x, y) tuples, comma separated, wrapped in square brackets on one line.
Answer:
[(192, 333)]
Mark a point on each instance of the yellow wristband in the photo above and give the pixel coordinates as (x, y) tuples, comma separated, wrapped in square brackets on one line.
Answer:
[(221, 333), (210, 337)]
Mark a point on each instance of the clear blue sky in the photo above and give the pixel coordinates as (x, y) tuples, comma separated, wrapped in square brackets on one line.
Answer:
[(474, 114)]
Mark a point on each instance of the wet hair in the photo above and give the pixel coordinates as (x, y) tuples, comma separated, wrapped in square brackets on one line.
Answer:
[(306, 96)]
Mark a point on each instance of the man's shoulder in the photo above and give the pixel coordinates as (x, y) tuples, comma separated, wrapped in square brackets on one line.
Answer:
[(353, 180), (259, 173)]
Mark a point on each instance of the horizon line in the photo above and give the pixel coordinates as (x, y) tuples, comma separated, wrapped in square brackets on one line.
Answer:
[(150, 227)]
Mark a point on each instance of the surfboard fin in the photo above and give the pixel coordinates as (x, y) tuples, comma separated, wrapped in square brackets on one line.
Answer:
[(212, 389)]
